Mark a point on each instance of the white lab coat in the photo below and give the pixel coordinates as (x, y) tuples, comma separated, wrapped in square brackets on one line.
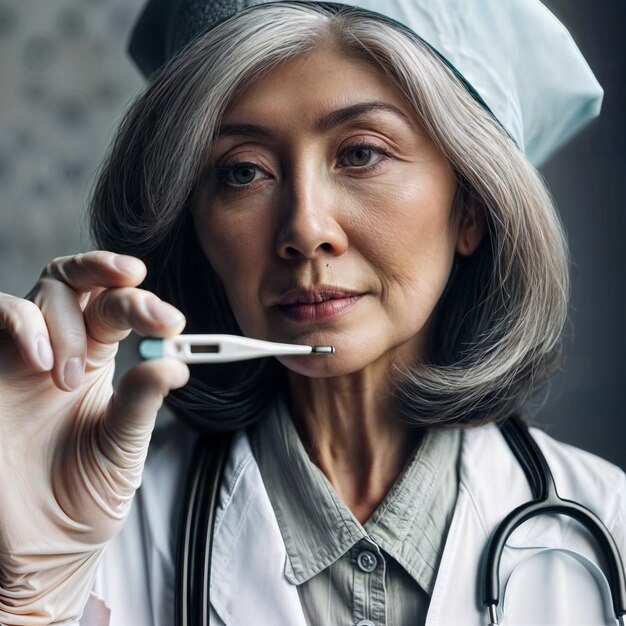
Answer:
[(549, 572)]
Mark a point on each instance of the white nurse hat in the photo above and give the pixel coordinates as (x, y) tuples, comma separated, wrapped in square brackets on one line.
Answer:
[(515, 54)]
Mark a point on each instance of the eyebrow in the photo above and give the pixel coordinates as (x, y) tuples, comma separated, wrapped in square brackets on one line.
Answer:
[(325, 123), (242, 130), (346, 114)]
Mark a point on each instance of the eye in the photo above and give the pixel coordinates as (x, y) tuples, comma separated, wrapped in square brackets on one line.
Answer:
[(359, 156), (239, 173), (362, 156)]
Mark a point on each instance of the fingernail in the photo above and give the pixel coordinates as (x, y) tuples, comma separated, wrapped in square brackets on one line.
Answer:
[(164, 313), (44, 352), (128, 264), (73, 373)]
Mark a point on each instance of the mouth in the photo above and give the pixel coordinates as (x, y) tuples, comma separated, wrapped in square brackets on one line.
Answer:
[(319, 304)]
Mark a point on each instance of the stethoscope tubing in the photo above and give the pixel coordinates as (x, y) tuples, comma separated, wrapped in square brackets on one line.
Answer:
[(193, 575), (547, 500), (575, 510)]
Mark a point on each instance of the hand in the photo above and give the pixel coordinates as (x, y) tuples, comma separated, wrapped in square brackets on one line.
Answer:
[(72, 450)]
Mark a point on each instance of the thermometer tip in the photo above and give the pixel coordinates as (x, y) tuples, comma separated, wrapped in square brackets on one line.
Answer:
[(322, 350)]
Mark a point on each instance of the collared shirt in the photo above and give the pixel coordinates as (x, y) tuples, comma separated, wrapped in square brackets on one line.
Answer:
[(381, 573)]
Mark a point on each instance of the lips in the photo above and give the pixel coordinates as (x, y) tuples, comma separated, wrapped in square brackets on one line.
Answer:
[(315, 296), (319, 304)]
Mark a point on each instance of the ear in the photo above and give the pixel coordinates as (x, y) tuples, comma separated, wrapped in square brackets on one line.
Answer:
[(471, 231)]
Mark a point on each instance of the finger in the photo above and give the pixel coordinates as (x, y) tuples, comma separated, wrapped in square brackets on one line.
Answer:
[(26, 326), (115, 312), (133, 408), (98, 268), (66, 329), (56, 295)]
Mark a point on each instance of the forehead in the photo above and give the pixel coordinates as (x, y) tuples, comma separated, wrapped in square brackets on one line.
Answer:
[(310, 84)]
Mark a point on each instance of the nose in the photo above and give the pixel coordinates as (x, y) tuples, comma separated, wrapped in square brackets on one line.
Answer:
[(310, 225)]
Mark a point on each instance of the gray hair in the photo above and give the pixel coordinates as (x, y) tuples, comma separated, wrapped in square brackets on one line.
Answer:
[(497, 327)]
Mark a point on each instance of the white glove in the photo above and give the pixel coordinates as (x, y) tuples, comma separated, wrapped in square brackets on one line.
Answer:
[(72, 451)]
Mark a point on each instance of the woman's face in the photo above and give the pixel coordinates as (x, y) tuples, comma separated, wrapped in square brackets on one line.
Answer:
[(328, 215)]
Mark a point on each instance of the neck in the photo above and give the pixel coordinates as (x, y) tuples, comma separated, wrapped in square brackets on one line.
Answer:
[(353, 433)]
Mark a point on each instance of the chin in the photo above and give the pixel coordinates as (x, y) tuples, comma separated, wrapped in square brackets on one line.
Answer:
[(349, 357), (319, 365)]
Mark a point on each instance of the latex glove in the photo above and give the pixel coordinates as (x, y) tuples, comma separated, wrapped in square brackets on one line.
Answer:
[(72, 451)]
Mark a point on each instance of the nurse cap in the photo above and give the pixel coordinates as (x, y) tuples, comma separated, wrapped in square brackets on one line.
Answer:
[(514, 55)]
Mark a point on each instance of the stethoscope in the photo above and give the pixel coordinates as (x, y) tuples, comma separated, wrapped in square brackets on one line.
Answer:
[(546, 500), (205, 476)]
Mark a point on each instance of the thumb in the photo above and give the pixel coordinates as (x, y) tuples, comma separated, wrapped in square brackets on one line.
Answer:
[(133, 408), (104, 465)]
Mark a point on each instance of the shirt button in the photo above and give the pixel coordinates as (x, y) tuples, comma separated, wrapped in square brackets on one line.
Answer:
[(367, 562), (365, 622)]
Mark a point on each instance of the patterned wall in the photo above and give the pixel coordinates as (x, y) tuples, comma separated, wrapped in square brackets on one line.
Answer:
[(64, 81)]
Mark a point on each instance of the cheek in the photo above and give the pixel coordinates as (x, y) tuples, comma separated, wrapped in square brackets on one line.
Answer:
[(409, 232), (236, 249)]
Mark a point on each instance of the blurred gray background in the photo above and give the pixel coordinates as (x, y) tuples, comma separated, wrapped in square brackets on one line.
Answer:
[(65, 81)]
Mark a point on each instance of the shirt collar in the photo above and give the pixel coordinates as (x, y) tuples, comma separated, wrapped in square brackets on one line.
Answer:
[(318, 528)]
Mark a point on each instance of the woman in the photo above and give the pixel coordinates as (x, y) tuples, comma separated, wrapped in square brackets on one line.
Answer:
[(311, 174)]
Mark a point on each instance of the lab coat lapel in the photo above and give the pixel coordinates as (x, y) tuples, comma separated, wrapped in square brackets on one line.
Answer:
[(458, 569), (491, 484), (248, 583)]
